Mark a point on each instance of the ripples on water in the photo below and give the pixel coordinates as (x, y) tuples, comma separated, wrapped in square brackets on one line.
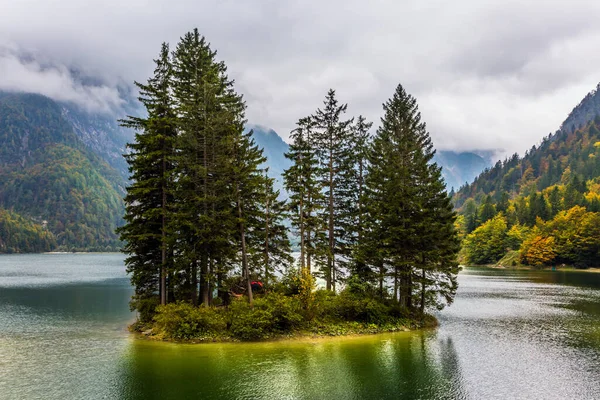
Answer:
[(510, 334)]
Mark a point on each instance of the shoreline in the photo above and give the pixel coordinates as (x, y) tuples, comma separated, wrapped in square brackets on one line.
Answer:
[(528, 268), (350, 330)]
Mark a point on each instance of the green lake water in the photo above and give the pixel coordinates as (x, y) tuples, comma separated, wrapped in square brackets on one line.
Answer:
[(510, 334)]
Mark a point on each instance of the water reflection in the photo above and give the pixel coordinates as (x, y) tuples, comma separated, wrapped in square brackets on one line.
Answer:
[(404, 365), (510, 334)]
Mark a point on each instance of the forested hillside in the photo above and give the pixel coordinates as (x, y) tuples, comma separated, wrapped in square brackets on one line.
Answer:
[(544, 205), (17, 233), (51, 180)]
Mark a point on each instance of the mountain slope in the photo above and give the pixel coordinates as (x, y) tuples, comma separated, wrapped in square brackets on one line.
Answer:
[(274, 149), (101, 134), (584, 112), (460, 168), (50, 178), (19, 234), (571, 151), (542, 209)]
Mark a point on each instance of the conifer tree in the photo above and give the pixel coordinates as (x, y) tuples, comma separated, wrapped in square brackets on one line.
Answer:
[(306, 194), (269, 238), (436, 266), (333, 149), (210, 120), (554, 198), (487, 210), (502, 204), (360, 144), (414, 221), (247, 185), (148, 209)]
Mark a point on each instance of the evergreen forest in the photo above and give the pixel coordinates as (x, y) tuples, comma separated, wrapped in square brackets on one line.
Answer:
[(542, 209), (207, 236), (55, 194)]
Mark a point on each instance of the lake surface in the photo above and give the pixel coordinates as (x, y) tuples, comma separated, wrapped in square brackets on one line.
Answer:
[(510, 334)]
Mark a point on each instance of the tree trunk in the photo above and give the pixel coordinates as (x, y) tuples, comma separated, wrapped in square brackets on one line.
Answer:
[(360, 264), (244, 252), (163, 267), (221, 289), (302, 233), (409, 287), (395, 283), (266, 261), (331, 252), (204, 279), (209, 286), (194, 281), (422, 291), (381, 277)]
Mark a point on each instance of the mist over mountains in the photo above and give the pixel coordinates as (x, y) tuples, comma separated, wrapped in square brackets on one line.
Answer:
[(63, 171)]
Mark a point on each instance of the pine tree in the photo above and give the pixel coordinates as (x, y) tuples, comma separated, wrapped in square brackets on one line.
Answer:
[(210, 118), (269, 238), (554, 198), (148, 199), (487, 210), (502, 204), (306, 194), (360, 144), (414, 221), (333, 149), (436, 267), (247, 184)]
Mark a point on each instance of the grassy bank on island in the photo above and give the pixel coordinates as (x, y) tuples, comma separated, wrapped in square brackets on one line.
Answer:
[(278, 315)]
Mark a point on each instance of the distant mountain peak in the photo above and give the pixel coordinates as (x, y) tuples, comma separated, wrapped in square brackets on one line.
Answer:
[(587, 109), (560, 158)]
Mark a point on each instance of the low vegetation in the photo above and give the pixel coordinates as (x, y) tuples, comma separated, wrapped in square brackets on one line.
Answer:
[(277, 314)]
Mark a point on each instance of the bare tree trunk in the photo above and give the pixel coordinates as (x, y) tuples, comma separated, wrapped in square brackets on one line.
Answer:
[(194, 281), (302, 233), (267, 227), (395, 283), (422, 291), (163, 266), (381, 278), (331, 252), (244, 252), (204, 279)]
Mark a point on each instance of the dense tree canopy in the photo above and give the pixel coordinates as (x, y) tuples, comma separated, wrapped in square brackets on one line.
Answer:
[(202, 218)]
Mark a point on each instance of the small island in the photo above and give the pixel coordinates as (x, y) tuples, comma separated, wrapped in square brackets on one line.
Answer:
[(209, 239)]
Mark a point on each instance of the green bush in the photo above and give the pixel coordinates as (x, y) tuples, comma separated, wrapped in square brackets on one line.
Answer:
[(185, 321), (273, 313), (247, 323), (286, 312), (146, 307), (350, 307)]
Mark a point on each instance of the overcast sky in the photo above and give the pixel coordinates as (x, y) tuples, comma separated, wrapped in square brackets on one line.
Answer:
[(493, 74)]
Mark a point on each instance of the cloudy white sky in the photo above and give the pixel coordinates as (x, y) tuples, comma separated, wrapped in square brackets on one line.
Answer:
[(494, 74)]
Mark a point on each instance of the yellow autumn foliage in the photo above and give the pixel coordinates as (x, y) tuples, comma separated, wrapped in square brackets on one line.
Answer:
[(538, 250)]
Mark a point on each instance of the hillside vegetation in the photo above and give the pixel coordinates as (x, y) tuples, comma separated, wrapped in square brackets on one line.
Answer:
[(545, 205), (49, 178)]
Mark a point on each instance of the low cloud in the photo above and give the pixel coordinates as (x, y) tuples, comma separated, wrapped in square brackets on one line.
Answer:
[(24, 72), (498, 74)]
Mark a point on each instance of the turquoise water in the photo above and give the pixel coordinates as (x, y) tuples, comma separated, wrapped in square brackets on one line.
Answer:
[(510, 334)]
